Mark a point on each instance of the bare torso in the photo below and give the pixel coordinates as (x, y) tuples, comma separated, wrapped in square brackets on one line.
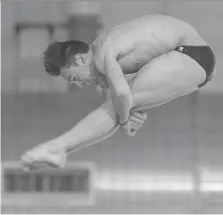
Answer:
[(137, 42)]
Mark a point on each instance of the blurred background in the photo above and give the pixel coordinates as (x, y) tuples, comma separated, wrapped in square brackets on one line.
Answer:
[(173, 165)]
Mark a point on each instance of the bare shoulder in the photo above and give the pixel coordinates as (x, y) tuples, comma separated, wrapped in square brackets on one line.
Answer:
[(99, 49)]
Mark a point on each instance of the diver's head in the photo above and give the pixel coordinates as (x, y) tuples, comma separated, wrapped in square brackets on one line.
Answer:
[(69, 59)]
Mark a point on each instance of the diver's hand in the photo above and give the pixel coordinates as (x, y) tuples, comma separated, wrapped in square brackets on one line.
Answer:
[(126, 127), (137, 120), (134, 123)]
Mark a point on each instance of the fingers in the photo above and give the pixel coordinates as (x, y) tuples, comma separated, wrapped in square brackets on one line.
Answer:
[(131, 133), (137, 118), (136, 127), (141, 112), (139, 115), (134, 120), (127, 129)]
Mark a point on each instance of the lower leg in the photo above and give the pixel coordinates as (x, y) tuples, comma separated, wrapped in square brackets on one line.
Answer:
[(95, 127), (99, 125)]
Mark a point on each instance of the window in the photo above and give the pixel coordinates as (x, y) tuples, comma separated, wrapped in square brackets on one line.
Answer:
[(70, 185), (33, 41), (76, 181)]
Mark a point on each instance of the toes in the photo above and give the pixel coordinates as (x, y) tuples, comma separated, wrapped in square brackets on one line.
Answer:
[(26, 162), (29, 165), (30, 162), (26, 165)]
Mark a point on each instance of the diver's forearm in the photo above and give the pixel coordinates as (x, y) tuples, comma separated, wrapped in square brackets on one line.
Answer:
[(123, 106)]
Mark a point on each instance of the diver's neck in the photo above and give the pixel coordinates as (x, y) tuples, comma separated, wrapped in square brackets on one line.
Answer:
[(94, 73)]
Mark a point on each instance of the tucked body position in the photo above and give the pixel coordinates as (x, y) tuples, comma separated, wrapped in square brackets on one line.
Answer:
[(166, 59)]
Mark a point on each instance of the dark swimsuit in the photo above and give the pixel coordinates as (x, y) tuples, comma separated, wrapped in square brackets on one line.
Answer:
[(204, 56)]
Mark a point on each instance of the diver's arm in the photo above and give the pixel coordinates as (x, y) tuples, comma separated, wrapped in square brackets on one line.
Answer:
[(120, 91)]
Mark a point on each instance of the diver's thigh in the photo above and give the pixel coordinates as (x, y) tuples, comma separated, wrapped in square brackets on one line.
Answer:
[(164, 79)]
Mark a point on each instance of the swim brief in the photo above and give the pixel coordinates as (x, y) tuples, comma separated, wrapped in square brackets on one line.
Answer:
[(204, 56)]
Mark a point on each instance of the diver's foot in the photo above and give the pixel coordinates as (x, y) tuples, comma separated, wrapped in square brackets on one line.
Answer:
[(43, 156)]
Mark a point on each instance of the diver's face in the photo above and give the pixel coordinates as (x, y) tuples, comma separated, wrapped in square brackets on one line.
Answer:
[(76, 74), (77, 70)]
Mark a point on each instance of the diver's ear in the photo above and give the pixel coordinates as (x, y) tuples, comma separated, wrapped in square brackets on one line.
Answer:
[(80, 59)]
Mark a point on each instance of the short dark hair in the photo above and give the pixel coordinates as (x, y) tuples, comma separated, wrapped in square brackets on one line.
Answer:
[(57, 53)]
